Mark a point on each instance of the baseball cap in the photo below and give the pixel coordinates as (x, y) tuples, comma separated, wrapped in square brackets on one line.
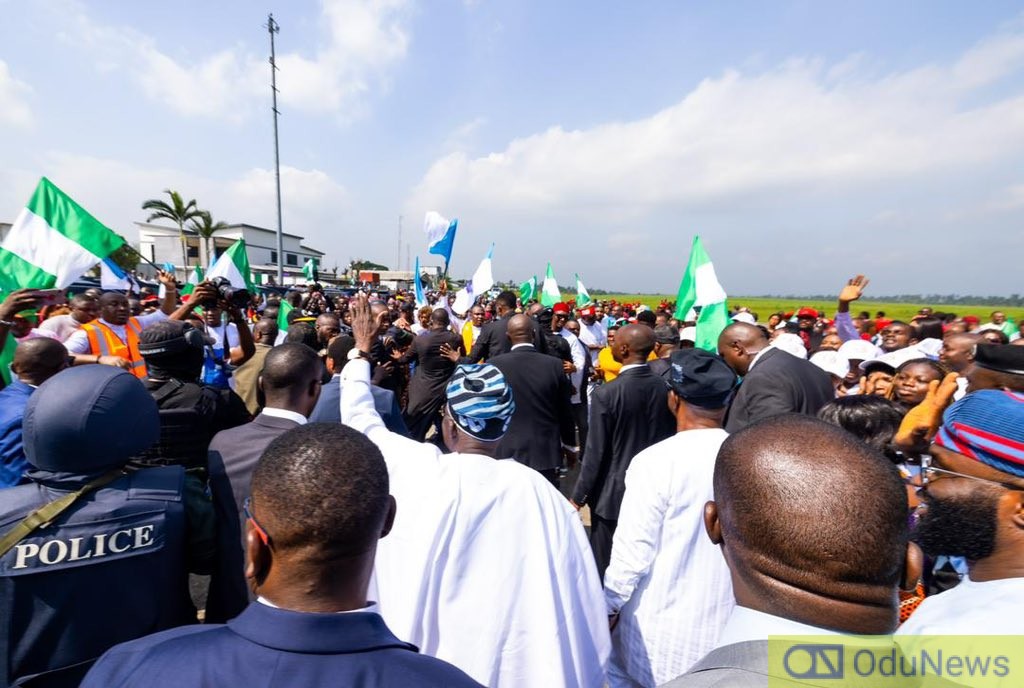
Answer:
[(561, 308), (806, 312), (688, 334), (859, 350), (744, 317), (832, 362)]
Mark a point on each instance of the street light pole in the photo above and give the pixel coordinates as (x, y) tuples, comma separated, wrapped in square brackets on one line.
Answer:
[(273, 27)]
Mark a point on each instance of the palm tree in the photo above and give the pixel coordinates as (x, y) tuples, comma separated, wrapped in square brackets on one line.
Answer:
[(178, 212), (205, 227)]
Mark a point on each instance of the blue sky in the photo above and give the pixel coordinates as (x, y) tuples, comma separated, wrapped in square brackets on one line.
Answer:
[(805, 142)]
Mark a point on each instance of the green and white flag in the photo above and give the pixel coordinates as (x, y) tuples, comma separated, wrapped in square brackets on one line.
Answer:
[(549, 294), (52, 242), (582, 295), (700, 289), (194, 278), (282, 321), (528, 289), (309, 270), (233, 265)]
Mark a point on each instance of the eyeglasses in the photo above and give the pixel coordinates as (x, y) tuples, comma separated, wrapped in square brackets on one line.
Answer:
[(930, 474), (255, 524)]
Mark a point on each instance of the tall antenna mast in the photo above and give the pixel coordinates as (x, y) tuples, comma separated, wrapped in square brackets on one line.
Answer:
[(273, 27)]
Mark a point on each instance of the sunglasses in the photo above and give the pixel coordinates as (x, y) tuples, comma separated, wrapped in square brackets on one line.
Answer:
[(255, 524)]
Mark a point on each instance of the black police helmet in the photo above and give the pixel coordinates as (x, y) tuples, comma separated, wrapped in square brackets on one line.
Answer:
[(89, 418)]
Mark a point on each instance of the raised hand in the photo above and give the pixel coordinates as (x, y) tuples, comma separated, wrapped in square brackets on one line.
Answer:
[(854, 289), (922, 422)]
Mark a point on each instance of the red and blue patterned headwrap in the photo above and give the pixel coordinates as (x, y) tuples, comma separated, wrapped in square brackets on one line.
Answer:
[(987, 426)]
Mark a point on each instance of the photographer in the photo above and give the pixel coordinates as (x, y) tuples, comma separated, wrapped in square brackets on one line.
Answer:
[(231, 342)]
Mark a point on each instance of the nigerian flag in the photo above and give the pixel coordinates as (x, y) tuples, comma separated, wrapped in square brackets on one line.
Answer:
[(700, 289), (52, 242), (549, 294), (194, 278), (309, 270), (528, 289), (282, 320), (233, 265), (582, 295)]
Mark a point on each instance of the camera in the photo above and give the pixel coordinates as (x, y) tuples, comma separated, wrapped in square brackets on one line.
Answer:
[(238, 298)]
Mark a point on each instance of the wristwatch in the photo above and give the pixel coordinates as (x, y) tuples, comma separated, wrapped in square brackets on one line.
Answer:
[(358, 353)]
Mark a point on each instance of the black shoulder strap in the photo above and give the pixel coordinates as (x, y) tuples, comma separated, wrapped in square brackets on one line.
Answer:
[(167, 389)]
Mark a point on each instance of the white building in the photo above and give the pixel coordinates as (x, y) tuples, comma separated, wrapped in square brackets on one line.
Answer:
[(162, 244)]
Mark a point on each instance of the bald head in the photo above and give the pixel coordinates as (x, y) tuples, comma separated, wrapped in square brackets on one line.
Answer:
[(520, 329), (37, 360), (633, 344), (957, 351), (291, 378), (739, 343), (812, 522)]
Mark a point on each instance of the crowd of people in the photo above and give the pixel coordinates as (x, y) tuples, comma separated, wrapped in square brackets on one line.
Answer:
[(222, 488)]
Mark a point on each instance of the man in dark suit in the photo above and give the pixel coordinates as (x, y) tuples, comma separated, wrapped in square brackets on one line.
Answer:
[(627, 415), (306, 565), (433, 370), (542, 425), (774, 382), (290, 383), (493, 339), (772, 484), (328, 409)]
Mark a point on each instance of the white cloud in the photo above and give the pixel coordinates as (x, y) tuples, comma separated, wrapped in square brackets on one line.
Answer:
[(14, 108), (361, 41), (741, 142)]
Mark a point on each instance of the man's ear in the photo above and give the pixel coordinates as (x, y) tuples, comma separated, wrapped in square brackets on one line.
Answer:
[(673, 402), (257, 557), (913, 567), (389, 520), (712, 525), (1017, 517), (450, 434)]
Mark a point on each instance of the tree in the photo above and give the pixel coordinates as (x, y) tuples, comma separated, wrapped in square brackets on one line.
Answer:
[(205, 227), (126, 257), (178, 212)]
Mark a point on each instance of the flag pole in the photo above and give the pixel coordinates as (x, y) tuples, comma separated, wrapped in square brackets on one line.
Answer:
[(147, 260)]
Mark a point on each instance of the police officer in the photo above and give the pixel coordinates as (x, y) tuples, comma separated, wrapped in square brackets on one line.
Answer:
[(90, 556), (191, 413)]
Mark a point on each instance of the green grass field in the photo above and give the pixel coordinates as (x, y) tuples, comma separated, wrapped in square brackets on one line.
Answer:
[(765, 306)]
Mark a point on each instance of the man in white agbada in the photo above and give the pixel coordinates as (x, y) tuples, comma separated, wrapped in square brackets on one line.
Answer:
[(667, 582), (487, 566)]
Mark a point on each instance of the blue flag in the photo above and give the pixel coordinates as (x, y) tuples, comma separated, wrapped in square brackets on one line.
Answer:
[(440, 235), (421, 299)]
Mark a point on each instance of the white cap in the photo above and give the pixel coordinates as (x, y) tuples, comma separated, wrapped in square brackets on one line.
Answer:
[(791, 344), (929, 348), (859, 350), (894, 359), (744, 317), (688, 334), (832, 362)]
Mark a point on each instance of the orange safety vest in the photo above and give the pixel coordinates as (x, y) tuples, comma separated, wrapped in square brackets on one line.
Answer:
[(104, 342)]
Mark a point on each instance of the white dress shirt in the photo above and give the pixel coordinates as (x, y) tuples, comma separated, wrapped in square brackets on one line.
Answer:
[(594, 334), (284, 413), (971, 608), (746, 624), (487, 566), (668, 580)]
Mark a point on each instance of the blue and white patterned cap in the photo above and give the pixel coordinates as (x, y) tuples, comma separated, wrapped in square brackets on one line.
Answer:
[(480, 401)]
